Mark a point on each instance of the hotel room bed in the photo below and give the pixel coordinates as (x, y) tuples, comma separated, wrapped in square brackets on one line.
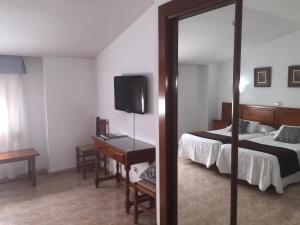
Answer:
[(260, 168), (204, 150), (255, 167)]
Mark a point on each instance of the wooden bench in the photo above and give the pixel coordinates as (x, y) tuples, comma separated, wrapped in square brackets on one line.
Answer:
[(21, 155)]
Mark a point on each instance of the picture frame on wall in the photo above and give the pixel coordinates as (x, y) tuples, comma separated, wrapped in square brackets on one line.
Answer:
[(294, 76), (262, 77)]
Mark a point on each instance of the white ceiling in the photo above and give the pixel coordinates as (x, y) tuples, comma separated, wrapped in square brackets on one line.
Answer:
[(80, 28), (208, 37)]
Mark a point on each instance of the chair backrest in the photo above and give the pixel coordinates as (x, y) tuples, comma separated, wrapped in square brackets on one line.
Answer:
[(101, 126)]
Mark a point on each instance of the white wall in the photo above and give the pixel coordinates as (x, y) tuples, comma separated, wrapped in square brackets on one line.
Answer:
[(131, 53), (70, 107), (279, 54), (225, 71), (35, 108), (60, 97), (192, 98), (134, 51), (60, 100), (198, 90), (212, 93)]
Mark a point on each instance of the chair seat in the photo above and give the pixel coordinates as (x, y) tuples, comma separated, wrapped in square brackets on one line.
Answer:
[(86, 148), (147, 185)]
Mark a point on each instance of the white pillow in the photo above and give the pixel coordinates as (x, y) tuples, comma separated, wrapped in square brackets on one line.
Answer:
[(278, 131), (229, 127), (265, 129)]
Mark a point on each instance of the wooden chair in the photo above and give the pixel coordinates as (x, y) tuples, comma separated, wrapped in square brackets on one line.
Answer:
[(86, 154), (102, 126), (143, 191)]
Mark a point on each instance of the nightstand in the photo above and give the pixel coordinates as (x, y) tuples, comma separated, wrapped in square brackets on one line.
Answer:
[(219, 124)]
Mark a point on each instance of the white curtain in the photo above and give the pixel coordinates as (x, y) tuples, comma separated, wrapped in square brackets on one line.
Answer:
[(13, 128)]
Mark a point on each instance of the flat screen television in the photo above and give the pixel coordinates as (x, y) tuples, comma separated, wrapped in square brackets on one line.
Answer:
[(131, 93)]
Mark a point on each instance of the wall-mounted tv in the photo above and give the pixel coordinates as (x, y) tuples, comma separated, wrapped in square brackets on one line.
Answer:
[(131, 93)]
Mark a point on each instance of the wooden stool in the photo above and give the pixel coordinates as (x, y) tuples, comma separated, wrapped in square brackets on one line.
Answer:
[(148, 193), (86, 157)]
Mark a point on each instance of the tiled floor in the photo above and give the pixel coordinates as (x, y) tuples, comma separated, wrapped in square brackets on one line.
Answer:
[(65, 199), (204, 199)]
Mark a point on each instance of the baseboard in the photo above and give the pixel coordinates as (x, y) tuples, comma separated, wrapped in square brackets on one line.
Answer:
[(39, 172), (64, 171), (22, 176), (45, 172)]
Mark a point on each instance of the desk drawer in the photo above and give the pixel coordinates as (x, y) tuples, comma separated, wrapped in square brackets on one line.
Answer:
[(101, 148), (115, 155), (99, 144)]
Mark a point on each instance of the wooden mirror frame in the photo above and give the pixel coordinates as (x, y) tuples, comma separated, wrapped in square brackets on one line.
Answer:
[(169, 15)]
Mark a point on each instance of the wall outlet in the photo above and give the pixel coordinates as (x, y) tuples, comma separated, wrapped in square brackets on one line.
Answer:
[(136, 170)]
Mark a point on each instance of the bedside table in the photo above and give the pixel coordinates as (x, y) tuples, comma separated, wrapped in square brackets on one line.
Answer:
[(219, 124)]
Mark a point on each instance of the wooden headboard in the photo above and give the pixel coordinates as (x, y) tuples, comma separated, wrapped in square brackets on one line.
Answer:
[(269, 115)]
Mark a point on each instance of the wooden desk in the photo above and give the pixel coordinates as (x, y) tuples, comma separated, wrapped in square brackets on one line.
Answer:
[(124, 150), (21, 155)]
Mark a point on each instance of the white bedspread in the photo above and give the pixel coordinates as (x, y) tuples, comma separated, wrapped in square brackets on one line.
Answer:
[(203, 150), (259, 168)]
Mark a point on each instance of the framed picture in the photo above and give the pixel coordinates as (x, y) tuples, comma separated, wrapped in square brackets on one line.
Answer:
[(294, 76), (262, 77)]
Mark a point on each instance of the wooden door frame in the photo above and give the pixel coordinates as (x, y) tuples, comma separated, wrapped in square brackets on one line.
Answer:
[(169, 15)]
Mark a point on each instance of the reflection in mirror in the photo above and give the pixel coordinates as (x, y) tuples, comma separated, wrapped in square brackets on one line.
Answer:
[(269, 161), (204, 94)]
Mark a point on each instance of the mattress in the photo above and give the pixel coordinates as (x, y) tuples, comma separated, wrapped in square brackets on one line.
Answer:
[(259, 168), (203, 150)]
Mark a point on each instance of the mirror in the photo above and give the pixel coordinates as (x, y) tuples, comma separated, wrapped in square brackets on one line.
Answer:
[(206, 44), (270, 77)]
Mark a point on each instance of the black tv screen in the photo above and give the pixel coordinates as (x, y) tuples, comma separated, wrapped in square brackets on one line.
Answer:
[(131, 93)]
